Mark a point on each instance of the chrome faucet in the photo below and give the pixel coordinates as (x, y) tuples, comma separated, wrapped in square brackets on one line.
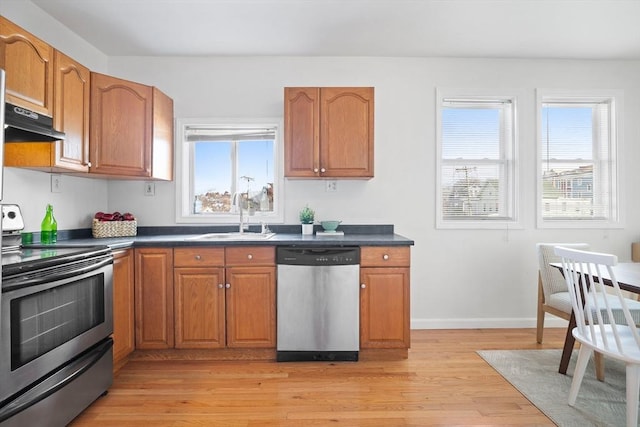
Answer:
[(237, 202)]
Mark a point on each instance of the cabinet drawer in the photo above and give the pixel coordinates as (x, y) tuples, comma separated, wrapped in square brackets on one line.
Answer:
[(198, 257), (250, 255), (385, 256)]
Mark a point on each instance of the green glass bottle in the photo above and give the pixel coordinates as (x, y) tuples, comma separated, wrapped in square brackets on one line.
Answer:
[(49, 228)]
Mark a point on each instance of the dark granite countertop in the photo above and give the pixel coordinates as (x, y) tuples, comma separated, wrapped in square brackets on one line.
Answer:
[(354, 235)]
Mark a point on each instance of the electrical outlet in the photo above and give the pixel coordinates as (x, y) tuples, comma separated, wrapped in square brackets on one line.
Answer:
[(331, 186), (149, 188), (56, 183)]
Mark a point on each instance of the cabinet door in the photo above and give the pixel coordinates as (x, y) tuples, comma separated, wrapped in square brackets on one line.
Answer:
[(121, 127), (346, 132), (384, 308), (71, 113), (162, 149), (154, 298), (28, 62), (123, 306), (251, 307), (199, 307), (302, 131)]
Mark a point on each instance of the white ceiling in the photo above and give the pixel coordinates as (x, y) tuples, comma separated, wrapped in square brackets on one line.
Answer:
[(581, 29)]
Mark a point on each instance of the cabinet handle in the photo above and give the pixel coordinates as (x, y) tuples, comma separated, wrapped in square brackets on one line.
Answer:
[(220, 286), (315, 170), (385, 257), (362, 286), (89, 164), (249, 256), (228, 285), (323, 170), (198, 257)]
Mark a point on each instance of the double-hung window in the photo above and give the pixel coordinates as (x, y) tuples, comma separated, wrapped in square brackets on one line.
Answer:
[(476, 175), (228, 165), (577, 167)]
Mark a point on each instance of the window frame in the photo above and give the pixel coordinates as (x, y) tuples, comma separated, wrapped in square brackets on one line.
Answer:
[(615, 207), (184, 183), (509, 156)]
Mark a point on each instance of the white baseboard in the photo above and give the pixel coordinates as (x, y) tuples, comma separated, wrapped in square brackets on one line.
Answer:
[(484, 323)]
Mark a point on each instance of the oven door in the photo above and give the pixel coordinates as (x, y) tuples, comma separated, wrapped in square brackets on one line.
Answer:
[(52, 320)]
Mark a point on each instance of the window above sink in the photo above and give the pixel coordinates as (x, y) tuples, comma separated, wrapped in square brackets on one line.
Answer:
[(225, 165)]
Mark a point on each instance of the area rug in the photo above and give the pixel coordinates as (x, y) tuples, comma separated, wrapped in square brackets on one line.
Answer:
[(535, 374)]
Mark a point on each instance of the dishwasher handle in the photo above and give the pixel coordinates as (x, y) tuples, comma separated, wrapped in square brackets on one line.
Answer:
[(343, 255)]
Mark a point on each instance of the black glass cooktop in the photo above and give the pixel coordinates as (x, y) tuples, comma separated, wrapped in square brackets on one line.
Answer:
[(29, 258)]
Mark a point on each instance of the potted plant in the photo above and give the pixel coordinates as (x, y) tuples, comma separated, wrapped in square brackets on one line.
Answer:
[(307, 216)]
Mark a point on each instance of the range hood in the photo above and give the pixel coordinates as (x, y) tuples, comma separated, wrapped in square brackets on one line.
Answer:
[(24, 125)]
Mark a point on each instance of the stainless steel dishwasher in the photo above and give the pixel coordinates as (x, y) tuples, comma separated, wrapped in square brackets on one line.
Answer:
[(318, 303)]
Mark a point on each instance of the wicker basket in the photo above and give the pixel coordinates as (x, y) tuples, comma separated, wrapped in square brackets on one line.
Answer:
[(114, 228)]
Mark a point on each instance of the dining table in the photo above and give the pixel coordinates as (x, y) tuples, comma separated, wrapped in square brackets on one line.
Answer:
[(628, 276)]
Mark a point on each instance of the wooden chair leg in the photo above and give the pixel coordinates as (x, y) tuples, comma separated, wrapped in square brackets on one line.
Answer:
[(540, 323), (599, 362)]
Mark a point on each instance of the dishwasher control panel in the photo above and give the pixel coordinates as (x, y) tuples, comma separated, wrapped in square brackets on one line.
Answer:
[(317, 255)]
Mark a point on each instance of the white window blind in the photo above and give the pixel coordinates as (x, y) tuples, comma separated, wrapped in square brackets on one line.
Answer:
[(577, 167), (476, 167)]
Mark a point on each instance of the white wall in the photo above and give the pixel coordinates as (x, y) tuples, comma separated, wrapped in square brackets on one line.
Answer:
[(460, 278), (73, 207)]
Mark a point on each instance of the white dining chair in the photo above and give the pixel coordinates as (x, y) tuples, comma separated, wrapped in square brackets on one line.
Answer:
[(553, 295), (585, 274)]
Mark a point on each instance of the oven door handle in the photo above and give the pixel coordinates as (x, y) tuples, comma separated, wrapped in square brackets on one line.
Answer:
[(52, 275)]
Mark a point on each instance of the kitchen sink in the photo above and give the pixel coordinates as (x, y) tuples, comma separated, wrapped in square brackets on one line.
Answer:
[(233, 236)]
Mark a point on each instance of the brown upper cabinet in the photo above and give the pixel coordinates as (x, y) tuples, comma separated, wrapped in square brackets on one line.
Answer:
[(131, 129), (70, 115), (114, 128), (328, 132), (28, 62)]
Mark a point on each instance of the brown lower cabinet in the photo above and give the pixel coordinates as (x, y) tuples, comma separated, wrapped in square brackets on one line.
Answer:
[(251, 306), (154, 298), (384, 298), (199, 307), (198, 277), (123, 307), (224, 297)]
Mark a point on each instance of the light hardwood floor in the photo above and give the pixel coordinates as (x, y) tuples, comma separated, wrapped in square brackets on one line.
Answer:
[(442, 383)]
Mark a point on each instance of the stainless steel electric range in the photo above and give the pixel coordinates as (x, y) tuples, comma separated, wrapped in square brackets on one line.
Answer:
[(56, 319)]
